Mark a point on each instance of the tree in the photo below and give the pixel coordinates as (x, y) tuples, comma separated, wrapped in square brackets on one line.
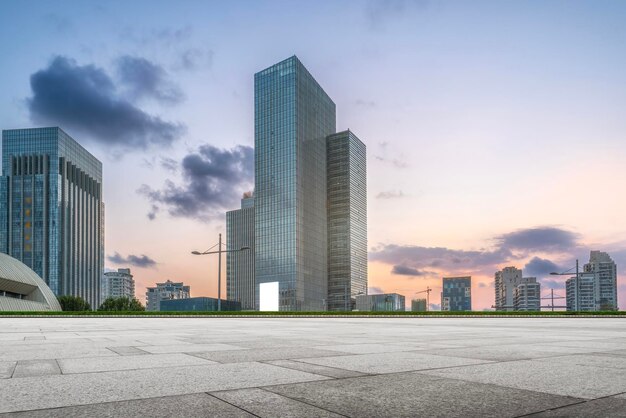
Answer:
[(121, 304), (73, 303)]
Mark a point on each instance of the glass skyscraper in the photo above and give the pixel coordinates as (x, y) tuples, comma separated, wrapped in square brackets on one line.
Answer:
[(240, 286), (51, 210), (347, 220), (293, 117)]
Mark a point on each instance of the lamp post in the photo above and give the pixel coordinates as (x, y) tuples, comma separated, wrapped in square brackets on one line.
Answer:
[(565, 273), (219, 266)]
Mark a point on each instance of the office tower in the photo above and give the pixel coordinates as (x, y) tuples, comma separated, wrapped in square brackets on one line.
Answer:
[(418, 305), (51, 210), (240, 264), (390, 302), (165, 291), (584, 294), (605, 268), (456, 294), (293, 117), (527, 295), (347, 219), (505, 282), (118, 284)]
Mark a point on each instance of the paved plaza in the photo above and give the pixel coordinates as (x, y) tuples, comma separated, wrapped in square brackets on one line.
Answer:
[(313, 367)]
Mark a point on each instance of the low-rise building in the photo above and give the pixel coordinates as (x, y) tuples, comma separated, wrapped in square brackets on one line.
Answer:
[(389, 302), (418, 305), (198, 304), (118, 284), (527, 295), (165, 291)]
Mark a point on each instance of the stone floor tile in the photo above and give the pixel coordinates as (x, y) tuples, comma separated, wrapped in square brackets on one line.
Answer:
[(6, 369), (315, 368), (193, 405), (188, 348), (416, 395), (265, 354), (391, 362), (148, 361), (128, 351), (269, 404), (30, 368), (605, 407)]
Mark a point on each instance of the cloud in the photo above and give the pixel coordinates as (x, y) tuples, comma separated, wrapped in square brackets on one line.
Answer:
[(408, 271), (482, 285), (391, 194), (169, 164), (84, 98), (142, 261), (380, 12), (194, 58), (365, 103), (374, 290), (539, 239), (145, 79), (213, 181), (540, 267)]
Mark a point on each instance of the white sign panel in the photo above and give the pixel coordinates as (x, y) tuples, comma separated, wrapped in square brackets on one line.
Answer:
[(268, 296)]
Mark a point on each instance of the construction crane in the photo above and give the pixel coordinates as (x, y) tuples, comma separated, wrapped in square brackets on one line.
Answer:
[(427, 291)]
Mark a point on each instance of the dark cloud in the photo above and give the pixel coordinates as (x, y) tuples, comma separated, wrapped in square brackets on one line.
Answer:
[(145, 79), (539, 239), (214, 180), (142, 261), (195, 58), (391, 194), (84, 98), (540, 267), (420, 257), (408, 271), (169, 164)]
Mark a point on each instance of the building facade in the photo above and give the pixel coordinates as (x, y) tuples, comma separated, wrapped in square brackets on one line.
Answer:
[(527, 295), (601, 264), (198, 304), (347, 220), (165, 291), (456, 294), (387, 302), (118, 284), (240, 286), (293, 117), (51, 210), (583, 294), (419, 305), (505, 282)]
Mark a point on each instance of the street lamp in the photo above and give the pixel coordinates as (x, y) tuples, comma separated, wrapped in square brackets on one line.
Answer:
[(219, 266), (565, 273)]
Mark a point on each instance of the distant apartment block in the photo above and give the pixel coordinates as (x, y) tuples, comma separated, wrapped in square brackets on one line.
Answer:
[(508, 298), (456, 294), (51, 210), (603, 266), (527, 295), (583, 294), (198, 304), (389, 302), (240, 286), (418, 305), (165, 291), (118, 284), (347, 220)]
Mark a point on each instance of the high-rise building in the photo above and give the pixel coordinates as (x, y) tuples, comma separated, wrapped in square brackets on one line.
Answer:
[(456, 294), (391, 302), (605, 268), (527, 295), (118, 284), (583, 294), (293, 117), (418, 305), (347, 220), (240, 285), (165, 291), (51, 210)]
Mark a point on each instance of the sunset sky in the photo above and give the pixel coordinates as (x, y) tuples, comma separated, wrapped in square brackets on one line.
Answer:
[(496, 131)]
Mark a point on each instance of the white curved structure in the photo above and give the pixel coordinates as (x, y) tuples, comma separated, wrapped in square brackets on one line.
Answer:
[(21, 289)]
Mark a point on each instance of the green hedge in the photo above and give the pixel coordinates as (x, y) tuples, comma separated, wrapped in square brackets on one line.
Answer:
[(360, 313)]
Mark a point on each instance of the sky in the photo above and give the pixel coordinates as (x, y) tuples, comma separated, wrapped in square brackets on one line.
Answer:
[(495, 130)]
